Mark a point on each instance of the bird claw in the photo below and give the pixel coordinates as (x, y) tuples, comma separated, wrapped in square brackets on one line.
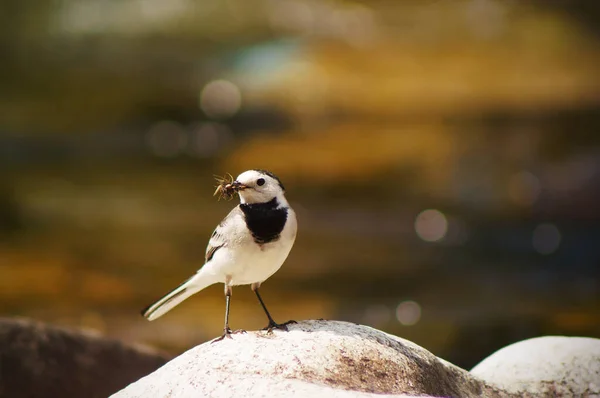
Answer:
[(281, 326), (227, 334)]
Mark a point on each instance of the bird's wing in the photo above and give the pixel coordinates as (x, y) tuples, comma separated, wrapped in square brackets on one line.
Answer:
[(228, 230)]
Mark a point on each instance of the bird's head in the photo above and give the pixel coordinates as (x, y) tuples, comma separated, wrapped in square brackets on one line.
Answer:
[(258, 186)]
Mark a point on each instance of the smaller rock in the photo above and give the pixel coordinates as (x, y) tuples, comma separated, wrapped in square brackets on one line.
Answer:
[(545, 366), (38, 360)]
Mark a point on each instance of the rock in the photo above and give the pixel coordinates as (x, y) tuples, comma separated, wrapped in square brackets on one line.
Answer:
[(313, 359), (37, 360), (545, 366)]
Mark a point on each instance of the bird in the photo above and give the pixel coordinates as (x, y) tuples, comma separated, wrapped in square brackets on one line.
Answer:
[(247, 247)]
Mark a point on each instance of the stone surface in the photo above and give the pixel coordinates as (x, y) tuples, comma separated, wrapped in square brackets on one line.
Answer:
[(314, 358), (545, 366), (37, 360)]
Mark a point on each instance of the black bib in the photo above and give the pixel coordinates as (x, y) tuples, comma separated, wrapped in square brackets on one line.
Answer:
[(264, 220)]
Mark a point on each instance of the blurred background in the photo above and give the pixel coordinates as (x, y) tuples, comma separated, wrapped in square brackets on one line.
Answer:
[(443, 158)]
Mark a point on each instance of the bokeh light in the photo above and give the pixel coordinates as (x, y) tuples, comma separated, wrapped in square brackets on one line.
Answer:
[(408, 313), (166, 138), (431, 225), (546, 238), (220, 99)]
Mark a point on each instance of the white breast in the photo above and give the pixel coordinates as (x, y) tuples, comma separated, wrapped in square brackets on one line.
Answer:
[(246, 262)]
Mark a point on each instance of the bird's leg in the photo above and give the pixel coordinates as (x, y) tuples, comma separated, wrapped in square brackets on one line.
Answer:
[(226, 330), (272, 324)]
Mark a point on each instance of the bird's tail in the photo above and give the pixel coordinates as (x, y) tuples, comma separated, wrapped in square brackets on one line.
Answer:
[(176, 296)]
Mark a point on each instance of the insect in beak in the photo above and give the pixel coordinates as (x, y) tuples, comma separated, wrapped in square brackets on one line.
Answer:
[(224, 188), (227, 187)]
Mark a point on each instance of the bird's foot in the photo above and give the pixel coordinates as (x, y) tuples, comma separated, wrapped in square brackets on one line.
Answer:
[(227, 332), (281, 326)]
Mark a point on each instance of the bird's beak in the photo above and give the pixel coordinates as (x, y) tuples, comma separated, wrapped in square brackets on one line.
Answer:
[(238, 186)]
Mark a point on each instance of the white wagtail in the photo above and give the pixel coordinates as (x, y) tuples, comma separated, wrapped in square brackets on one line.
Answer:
[(247, 247)]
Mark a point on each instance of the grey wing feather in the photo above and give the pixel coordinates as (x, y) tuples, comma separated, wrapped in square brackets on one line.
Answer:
[(222, 234)]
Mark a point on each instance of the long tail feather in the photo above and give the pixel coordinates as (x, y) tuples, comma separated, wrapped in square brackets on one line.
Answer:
[(175, 297)]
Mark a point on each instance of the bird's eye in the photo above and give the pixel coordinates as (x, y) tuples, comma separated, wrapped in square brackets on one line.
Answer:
[(260, 182)]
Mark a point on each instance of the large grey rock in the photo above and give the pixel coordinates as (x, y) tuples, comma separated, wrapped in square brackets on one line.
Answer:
[(545, 366), (38, 360), (314, 359)]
